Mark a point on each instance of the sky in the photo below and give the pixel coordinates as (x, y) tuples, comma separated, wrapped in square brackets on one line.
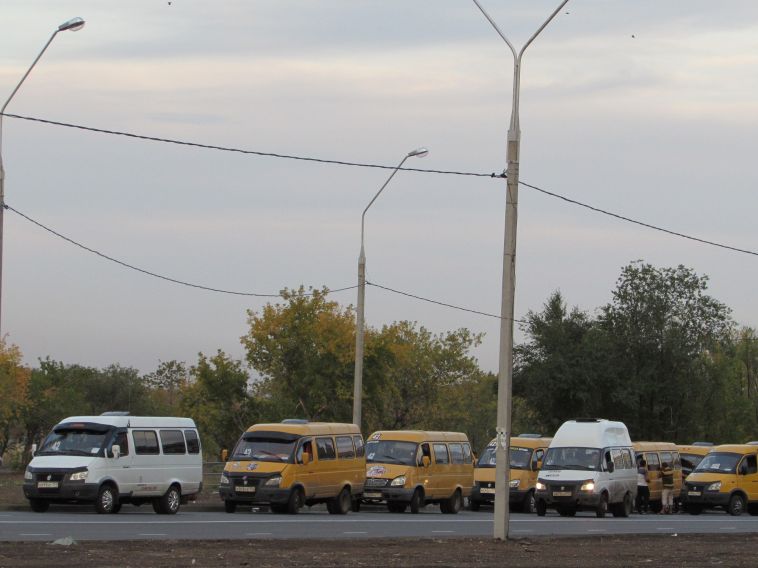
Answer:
[(646, 108)]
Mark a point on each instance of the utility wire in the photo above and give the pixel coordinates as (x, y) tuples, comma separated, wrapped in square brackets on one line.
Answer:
[(379, 166), (641, 223), (153, 274), (243, 151)]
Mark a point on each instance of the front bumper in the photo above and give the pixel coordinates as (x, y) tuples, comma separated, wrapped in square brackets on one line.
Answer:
[(706, 498), (400, 494), (262, 495), (515, 496), (573, 498), (68, 491)]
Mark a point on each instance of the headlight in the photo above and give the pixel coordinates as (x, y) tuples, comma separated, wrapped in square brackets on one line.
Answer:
[(714, 486), (224, 479), (398, 481), (79, 476), (274, 481), (515, 483), (540, 486), (28, 474), (588, 486)]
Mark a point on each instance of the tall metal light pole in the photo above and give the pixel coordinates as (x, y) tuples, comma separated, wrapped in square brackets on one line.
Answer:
[(74, 24), (358, 382), (505, 376)]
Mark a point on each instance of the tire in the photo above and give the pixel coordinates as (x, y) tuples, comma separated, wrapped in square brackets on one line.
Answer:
[(116, 508), (340, 505), (529, 503), (230, 506), (474, 505), (736, 505), (452, 505), (602, 507), (296, 501), (39, 505), (623, 509), (169, 503), (396, 507), (541, 508), (106, 500), (355, 506), (417, 501)]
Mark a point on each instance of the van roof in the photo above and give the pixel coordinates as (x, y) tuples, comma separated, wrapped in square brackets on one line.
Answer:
[(654, 447), (696, 450), (525, 442), (418, 436), (133, 421), (307, 428), (591, 433), (735, 448)]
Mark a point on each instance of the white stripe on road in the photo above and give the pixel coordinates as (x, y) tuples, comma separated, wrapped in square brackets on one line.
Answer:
[(597, 530), (440, 532), (152, 534), (34, 534), (355, 532), (728, 528), (258, 534)]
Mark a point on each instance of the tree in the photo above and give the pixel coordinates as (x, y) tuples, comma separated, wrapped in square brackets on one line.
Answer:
[(166, 384), (14, 385)]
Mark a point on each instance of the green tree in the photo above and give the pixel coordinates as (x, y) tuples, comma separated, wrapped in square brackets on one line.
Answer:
[(14, 386), (166, 384)]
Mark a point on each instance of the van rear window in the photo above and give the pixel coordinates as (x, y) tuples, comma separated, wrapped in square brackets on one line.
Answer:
[(193, 442), (360, 450), (173, 442), (345, 450), (145, 442), (440, 454), (325, 448), (456, 453)]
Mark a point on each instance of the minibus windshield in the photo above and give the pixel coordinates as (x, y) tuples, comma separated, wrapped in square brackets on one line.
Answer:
[(719, 462), (264, 449), (391, 451), (572, 458), (74, 442), (519, 457)]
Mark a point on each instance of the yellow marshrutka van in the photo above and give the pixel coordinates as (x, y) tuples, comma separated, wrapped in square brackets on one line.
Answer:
[(727, 477), (410, 468), (692, 455), (655, 455), (296, 463), (526, 459)]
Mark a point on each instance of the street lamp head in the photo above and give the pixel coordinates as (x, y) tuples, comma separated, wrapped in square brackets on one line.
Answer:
[(74, 25), (419, 152)]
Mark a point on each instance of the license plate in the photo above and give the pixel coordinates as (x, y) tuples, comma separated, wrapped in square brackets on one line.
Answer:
[(372, 495), (561, 493), (47, 484), (694, 493), (244, 489), (487, 490)]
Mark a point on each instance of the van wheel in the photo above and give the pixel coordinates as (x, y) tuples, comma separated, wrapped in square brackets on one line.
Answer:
[(623, 509), (453, 505), (106, 499), (736, 505), (602, 507), (340, 505), (541, 507), (116, 508), (529, 503), (417, 501), (230, 506), (296, 501), (169, 503), (39, 505)]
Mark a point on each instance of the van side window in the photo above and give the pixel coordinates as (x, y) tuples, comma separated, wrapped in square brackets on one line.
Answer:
[(456, 453), (677, 461), (628, 460), (193, 442), (653, 463), (325, 448), (440, 454), (123, 442), (305, 447), (466, 453), (345, 450), (173, 442), (666, 457), (539, 454), (145, 442), (618, 458), (360, 450), (752, 465), (425, 451)]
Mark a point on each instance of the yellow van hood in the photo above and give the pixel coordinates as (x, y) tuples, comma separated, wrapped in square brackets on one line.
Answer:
[(706, 477), (487, 474), (386, 470), (244, 466)]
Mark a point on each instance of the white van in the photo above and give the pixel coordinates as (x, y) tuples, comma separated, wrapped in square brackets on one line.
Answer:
[(113, 459), (589, 465)]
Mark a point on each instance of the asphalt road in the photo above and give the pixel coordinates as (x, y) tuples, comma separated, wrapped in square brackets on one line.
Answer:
[(141, 523)]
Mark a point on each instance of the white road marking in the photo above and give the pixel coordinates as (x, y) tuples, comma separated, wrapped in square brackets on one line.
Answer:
[(258, 534), (664, 528), (152, 534), (597, 530), (354, 532), (443, 532), (34, 534), (728, 528)]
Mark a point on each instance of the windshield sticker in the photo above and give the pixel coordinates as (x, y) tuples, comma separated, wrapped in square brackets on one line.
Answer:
[(247, 451), (376, 436), (715, 465), (252, 466), (376, 471), (56, 445), (371, 455)]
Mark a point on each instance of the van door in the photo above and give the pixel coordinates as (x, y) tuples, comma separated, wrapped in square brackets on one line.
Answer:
[(145, 462), (327, 471), (654, 481), (121, 469), (440, 474), (306, 474), (748, 470)]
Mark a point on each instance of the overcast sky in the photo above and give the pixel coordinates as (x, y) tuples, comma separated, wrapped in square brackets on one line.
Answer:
[(647, 108)]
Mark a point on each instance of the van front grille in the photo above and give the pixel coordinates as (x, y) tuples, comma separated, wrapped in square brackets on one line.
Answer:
[(376, 482)]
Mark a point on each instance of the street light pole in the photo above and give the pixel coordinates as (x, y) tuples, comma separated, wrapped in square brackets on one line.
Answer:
[(74, 24), (358, 381), (505, 375)]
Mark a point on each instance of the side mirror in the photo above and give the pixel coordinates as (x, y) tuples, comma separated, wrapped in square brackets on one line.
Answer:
[(425, 461), (34, 449), (116, 449), (224, 455), (306, 458)]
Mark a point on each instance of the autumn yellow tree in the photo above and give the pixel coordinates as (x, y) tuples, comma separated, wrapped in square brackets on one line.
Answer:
[(14, 384)]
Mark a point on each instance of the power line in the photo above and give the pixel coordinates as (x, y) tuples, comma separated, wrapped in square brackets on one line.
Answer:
[(154, 274), (641, 223), (243, 151)]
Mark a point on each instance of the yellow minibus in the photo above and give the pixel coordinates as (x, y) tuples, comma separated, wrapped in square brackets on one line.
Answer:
[(655, 455)]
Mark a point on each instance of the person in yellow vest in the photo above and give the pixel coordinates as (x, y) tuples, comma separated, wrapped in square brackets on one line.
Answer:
[(667, 477)]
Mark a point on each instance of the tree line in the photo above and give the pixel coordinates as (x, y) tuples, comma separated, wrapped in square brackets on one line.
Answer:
[(662, 355)]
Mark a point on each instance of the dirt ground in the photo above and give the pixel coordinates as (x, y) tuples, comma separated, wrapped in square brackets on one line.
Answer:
[(669, 551)]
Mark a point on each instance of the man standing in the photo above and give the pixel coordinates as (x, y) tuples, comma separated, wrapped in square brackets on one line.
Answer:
[(667, 476), (643, 491)]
